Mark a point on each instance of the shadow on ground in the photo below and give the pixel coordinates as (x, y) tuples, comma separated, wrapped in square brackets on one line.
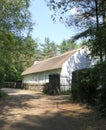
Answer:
[(20, 99), (19, 112), (58, 121)]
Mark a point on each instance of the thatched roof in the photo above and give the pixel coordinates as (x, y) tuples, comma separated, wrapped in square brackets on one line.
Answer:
[(49, 64)]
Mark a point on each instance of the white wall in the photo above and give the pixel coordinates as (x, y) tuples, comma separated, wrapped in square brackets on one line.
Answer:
[(39, 77), (79, 60)]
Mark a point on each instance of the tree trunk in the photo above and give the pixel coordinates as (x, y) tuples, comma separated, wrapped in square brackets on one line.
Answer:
[(97, 28), (104, 21)]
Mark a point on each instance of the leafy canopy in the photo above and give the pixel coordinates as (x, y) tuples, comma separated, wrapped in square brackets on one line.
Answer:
[(15, 48), (88, 15), (15, 16)]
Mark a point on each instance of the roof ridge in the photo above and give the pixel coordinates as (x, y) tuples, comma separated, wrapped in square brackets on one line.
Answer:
[(50, 63), (68, 52)]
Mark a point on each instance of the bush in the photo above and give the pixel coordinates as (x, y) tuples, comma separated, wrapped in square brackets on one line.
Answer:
[(101, 97), (89, 86), (83, 86), (2, 76)]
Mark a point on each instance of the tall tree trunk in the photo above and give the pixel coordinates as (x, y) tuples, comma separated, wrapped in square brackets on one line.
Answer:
[(104, 20), (104, 12), (97, 15), (97, 25)]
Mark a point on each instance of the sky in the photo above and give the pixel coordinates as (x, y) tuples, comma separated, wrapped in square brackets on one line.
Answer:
[(44, 25)]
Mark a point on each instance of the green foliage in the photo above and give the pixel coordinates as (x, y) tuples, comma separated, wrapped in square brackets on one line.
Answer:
[(101, 97), (12, 73), (16, 51), (97, 43), (29, 51), (16, 54), (2, 76), (89, 86), (48, 49), (15, 16), (84, 86), (88, 15), (67, 45), (79, 13)]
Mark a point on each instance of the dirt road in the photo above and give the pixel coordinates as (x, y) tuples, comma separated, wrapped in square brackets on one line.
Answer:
[(28, 110)]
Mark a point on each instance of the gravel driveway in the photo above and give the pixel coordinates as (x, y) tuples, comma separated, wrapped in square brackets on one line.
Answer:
[(29, 110)]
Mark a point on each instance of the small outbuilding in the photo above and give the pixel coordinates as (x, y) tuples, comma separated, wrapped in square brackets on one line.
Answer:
[(63, 65)]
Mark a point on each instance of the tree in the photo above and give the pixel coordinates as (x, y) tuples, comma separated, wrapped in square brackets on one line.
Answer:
[(97, 43), (78, 13), (15, 21), (29, 51), (89, 15), (67, 45), (48, 49), (15, 16), (16, 54)]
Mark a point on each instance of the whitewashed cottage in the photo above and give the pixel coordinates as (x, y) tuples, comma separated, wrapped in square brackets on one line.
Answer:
[(63, 65)]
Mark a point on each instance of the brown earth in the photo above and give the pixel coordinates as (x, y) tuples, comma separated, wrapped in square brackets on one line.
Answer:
[(29, 110)]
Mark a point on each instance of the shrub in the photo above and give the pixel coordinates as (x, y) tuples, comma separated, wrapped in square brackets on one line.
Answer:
[(89, 86), (83, 86), (2, 76), (101, 97)]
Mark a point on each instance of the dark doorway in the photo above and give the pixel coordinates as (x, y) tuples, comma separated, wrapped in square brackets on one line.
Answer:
[(54, 84)]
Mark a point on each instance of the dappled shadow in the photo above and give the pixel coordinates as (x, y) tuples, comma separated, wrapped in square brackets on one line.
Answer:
[(2, 122), (59, 121), (19, 101), (14, 105), (11, 91), (59, 97), (41, 112)]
